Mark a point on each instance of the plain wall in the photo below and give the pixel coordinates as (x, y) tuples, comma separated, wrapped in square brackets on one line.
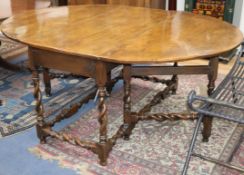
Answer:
[(180, 5), (242, 18)]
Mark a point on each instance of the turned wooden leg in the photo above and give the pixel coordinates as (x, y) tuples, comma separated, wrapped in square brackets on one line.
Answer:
[(127, 101), (38, 97), (39, 106), (101, 80), (103, 121), (212, 76), (47, 82), (175, 80)]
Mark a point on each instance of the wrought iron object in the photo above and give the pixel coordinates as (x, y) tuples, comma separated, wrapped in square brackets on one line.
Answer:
[(226, 103)]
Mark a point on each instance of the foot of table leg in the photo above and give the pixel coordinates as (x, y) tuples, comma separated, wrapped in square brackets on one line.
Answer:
[(40, 134), (128, 131), (103, 152), (207, 128), (212, 76)]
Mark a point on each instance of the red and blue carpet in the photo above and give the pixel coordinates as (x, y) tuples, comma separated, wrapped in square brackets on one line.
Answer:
[(154, 148)]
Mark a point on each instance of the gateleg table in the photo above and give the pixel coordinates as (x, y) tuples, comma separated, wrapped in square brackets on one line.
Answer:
[(91, 40)]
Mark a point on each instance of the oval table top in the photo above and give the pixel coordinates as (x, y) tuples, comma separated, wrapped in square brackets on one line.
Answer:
[(123, 34), (10, 7)]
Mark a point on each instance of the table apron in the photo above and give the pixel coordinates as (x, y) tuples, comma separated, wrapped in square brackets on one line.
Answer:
[(169, 70), (79, 65)]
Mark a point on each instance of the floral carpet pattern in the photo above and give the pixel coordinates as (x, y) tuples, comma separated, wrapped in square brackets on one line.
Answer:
[(154, 148), (16, 91)]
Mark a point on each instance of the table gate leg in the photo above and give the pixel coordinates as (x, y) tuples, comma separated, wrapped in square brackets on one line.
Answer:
[(103, 121), (175, 80), (103, 145), (212, 76), (39, 106), (47, 82), (128, 125), (38, 98)]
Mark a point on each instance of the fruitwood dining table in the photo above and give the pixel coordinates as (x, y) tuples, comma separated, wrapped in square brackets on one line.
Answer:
[(91, 40)]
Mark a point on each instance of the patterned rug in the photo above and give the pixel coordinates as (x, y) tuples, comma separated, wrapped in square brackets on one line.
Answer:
[(10, 48), (154, 148), (17, 112)]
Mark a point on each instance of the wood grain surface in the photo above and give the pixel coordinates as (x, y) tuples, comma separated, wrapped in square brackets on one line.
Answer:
[(123, 34)]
